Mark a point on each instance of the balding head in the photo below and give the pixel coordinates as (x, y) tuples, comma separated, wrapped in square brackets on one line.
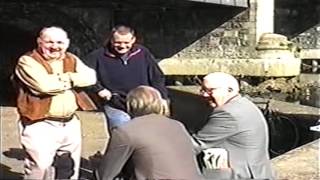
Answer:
[(221, 79), (53, 42), (219, 87), (53, 31)]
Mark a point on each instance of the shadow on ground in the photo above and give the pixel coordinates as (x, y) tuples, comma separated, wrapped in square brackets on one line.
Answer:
[(6, 173), (86, 169)]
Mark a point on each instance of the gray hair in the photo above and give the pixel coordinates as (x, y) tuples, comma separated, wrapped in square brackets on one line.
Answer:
[(221, 79), (53, 29), (144, 100)]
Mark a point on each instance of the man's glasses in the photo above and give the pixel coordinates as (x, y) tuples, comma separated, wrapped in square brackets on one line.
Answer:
[(208, 90)]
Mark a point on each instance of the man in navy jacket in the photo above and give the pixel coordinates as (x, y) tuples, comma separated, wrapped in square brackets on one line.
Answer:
[(122, 65)]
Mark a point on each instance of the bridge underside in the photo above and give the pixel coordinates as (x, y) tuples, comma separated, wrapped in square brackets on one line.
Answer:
[(238, 3), (116, 3)]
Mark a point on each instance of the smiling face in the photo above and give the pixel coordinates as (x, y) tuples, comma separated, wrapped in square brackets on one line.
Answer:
[(53, 43), (217, 88), (215, 95), (122, 43)]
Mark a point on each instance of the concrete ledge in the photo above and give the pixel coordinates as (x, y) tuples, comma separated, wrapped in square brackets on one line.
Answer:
[(247, 67), (94, 134), (283, 107), (309, 78), (309, 54), (300, 163), (289, 109), (239, 3)]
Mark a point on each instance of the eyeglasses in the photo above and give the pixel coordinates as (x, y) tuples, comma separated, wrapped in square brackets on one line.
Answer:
[(208, 90)]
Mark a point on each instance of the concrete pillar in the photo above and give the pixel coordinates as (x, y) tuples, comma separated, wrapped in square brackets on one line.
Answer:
[(264, 17)]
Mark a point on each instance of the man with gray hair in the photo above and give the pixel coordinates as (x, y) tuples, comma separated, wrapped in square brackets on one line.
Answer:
[(48, 81), (236, 125), (159, 147)]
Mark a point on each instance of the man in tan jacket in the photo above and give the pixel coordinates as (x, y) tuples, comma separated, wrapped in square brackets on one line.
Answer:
[(48, 80)]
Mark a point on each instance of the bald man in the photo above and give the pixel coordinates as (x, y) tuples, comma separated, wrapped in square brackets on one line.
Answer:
[(237, 125), (47, 100)]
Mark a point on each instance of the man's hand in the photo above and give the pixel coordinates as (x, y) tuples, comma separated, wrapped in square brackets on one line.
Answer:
[(65, 79), (105, 94), (216, 158)]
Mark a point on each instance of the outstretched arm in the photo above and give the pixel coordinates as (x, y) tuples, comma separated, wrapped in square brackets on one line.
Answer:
[(220, 126)]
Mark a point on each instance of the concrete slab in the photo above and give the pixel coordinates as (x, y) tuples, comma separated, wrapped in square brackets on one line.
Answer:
[(246, 67), (309, 54), (299, 164)]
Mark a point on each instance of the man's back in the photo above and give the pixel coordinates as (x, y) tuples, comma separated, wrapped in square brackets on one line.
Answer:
[(249, 147), (159, 147), (162, 148)]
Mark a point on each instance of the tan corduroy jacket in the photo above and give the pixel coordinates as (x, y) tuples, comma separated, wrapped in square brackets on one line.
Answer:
[(34, 107)]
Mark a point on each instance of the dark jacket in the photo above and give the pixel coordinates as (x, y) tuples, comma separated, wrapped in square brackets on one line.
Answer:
[(121, 74), (159, 147)]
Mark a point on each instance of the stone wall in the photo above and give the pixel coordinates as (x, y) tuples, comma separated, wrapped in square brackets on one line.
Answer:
[(181, 30), (193, 30), (300, 21), (166, 30)]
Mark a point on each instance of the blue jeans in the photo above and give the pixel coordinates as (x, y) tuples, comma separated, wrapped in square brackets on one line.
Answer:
[(115, 117)]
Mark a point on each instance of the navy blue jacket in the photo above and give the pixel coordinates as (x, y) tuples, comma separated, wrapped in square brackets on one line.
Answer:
[(121, 74)]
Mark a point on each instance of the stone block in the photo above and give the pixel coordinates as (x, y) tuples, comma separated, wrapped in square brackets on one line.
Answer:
[(309, 54), (94, 134), (248, 67), (300, 163)]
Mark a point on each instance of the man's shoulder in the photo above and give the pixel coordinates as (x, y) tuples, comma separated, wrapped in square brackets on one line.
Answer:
[(71, 55), (155, 120), (27, 58), (141, 48)]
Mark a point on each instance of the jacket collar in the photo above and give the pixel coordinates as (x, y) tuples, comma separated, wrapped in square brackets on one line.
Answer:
[(134, 50)]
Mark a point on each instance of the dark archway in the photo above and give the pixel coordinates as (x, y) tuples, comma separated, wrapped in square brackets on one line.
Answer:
[(14, 42)]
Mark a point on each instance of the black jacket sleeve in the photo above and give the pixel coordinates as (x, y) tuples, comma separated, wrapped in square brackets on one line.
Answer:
[(156, 76), (91, 60)]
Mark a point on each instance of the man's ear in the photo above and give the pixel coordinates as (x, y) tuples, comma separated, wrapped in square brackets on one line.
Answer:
[(67, 42), (39, 40), (133, 39)]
